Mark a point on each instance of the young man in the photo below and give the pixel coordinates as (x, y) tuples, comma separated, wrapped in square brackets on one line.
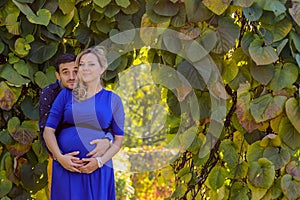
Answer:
[(66, 74)]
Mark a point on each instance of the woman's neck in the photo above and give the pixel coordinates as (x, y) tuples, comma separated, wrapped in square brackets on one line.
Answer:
[(94, 90)]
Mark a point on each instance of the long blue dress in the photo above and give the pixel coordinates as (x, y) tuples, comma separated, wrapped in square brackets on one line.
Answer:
[(84, 122)]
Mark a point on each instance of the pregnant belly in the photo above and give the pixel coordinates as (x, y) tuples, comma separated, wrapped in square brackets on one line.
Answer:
[(78, 139)]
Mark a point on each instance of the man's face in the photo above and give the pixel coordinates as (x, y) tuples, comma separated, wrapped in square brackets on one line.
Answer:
[(67, 75)]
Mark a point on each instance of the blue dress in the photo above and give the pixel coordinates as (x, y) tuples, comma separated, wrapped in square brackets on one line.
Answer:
[(84, 122)]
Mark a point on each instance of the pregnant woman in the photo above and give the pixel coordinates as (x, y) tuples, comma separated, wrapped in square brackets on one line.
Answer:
[(86, 113)]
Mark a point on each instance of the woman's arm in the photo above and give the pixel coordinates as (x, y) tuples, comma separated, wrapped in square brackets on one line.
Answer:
[(68, 161)]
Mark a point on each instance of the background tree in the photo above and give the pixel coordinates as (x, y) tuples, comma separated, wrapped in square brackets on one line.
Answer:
[(255, 45)]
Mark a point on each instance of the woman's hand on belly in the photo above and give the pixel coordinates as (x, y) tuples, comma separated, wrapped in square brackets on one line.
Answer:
[(70, 162), (101, 147), (90, 165)]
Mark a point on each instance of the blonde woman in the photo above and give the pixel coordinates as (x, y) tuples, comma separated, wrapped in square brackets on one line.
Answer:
[(86, 113)]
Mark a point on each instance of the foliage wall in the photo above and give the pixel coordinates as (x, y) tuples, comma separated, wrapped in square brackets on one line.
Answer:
[(255, 45)]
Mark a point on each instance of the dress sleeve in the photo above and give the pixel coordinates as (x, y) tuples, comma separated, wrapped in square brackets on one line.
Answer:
[(57, 109), (118, 118)]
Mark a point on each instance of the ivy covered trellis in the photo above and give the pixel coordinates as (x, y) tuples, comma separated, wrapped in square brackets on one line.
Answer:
[(255, 45)]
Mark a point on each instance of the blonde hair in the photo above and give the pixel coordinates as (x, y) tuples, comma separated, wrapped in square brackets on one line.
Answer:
[(80, 91)]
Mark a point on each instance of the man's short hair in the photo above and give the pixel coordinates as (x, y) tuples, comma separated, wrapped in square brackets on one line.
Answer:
[(65, 58)]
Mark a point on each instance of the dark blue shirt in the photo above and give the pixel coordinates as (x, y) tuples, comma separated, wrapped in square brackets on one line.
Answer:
[(47, 97)]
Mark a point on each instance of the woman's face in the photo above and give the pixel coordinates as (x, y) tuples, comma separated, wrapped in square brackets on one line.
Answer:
[(89, 68)]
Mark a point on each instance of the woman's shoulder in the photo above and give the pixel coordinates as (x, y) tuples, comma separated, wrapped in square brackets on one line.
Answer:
[(113, 95)]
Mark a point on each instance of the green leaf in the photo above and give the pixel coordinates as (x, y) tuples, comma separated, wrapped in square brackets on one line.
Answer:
[(229, 71), (293, 168), (8, 96), (111, 10), (187, 137), (42, 17), (228, 152), (253, 13), (42, 80), (290, 187), (246, 41), (25, 1), (24, 8), (104, 26), (218, 6), (66, 6), (194, 51), (204, 103), (261, 173), (12, 24), (82, 34), (126, 34), (289, 135), (280, 32), (262, 55), (24, 133), (5, 184), (295, 38), (263, 73), (123, 3), (209, 39), (278, 156), (256, 193), (40, 151), (41, 52), (267, 107), (24, 69), (196, 11), (240, 171), (132, 8), (292, 110), (179, 19), (179, 191), (2, 46), (191, 74), (62, 20), (172, 42), (101, 3), (155, 18), (285, 75), (255, 152), (166, 77), (5, 138), (35, 177), (271, 140), (276, 6), (243, 3), (17, 149), (216, 177), (52, 28), (29, 38), (239, 191), (12, 59), (275, 191), (227, 32), (166, 8), (243, 108), (31, 111), (10, 74), (295, 11)]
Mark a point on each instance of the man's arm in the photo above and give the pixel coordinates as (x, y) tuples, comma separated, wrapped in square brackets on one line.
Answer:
[(47, 97), (68, 161)]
